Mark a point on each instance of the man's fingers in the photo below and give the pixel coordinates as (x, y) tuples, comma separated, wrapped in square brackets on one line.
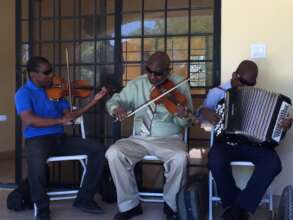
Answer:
[(120, 116)]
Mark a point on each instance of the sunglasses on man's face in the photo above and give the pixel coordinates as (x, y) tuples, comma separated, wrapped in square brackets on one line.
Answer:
[(244, 82), (157, 73), (47, 72)]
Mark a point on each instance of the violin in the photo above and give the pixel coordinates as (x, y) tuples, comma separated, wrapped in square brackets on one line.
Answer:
[(60, 89), (171, 100), (173, 106)]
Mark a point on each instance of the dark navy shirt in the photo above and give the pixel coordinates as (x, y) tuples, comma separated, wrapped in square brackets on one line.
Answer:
[(33, 98)]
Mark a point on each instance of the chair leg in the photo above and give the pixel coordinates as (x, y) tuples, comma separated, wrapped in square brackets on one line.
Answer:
[(267, 199), (270, 199), (35, 210), (210, 196), (274, 215), (83, 164)]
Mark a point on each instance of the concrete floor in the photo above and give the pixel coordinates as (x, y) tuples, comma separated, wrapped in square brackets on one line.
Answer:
[(62, 210)]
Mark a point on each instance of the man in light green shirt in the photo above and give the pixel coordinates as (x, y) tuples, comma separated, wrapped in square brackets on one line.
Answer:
[(156, 132)]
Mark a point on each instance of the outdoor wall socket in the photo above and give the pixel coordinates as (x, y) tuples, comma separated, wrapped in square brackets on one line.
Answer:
[(3, 117), (258, 51)]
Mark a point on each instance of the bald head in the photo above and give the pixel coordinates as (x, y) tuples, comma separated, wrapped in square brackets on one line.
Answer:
[(159, 61), (245, 74), (158, 67), (247, 66)]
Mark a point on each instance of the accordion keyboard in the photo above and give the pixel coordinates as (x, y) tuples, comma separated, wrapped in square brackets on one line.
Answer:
[(283, 113), (219, 127)]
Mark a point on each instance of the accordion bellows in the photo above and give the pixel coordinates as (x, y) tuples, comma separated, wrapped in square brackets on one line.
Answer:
[(254, 113)]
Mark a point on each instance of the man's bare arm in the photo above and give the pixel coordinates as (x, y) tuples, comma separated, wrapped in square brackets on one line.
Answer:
[(28, 118), (89, 105)]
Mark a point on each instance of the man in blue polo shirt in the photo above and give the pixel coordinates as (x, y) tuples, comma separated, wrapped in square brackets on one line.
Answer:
[(43, 121)]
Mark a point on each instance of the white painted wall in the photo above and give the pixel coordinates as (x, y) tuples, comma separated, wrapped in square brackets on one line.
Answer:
[(268, 22)]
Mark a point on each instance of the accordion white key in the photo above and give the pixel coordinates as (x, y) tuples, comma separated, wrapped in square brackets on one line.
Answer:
[(253, 113)]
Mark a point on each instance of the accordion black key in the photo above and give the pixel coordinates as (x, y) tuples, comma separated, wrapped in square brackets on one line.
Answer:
[(252, 113)]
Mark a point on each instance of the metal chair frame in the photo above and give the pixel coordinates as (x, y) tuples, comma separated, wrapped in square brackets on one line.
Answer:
[(68, 194), (214, 198), (156, 197)]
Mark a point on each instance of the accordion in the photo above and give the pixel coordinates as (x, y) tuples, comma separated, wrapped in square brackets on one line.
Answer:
[(253, 114)]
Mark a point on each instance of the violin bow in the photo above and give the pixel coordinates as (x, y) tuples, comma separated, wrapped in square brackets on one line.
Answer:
[(129, 114), (68, 78)]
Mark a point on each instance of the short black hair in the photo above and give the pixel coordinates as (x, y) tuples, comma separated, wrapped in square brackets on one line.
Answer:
[(33, 63)]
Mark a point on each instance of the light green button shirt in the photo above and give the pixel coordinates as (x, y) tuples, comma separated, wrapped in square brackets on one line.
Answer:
[(137, 92)]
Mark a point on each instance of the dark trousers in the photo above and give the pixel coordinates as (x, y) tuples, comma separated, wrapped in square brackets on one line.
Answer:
[(40, 148), (267, 167)]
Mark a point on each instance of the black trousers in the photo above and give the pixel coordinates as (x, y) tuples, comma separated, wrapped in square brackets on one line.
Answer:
[(40, 148), (267, 167)]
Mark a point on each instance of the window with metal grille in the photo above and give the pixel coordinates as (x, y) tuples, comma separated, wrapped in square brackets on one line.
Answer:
[(109, 41)]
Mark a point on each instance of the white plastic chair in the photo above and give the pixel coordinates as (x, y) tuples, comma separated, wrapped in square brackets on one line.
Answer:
[(214, 198), (156, 197), (68, 194)]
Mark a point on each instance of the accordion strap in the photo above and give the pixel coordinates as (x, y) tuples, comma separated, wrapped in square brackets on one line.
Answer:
[(221, 88)]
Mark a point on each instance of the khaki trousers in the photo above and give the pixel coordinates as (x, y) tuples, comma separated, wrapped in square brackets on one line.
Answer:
[(125, 153)]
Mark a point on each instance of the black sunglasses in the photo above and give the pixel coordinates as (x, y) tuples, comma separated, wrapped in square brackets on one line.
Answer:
[(244, 82), (156, 73), (47, 72)]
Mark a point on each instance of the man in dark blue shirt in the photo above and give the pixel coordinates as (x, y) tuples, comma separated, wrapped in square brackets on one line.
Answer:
[(43, 121), (238, 203)]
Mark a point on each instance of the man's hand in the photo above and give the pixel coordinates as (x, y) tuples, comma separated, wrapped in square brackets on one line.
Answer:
[(181, 111), (100, 94), (93, 102), (210, 115), (67, 117), (120, 113), (286, 123)]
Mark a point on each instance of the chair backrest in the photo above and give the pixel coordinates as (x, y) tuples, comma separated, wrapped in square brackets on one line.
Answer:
[(208, 127), (79, 121), (212, 136), (185, 135)]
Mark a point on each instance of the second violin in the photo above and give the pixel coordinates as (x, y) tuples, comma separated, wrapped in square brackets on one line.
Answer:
[(60, 88)]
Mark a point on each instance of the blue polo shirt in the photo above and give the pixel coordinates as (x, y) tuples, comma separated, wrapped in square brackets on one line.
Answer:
[(33, 98)]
